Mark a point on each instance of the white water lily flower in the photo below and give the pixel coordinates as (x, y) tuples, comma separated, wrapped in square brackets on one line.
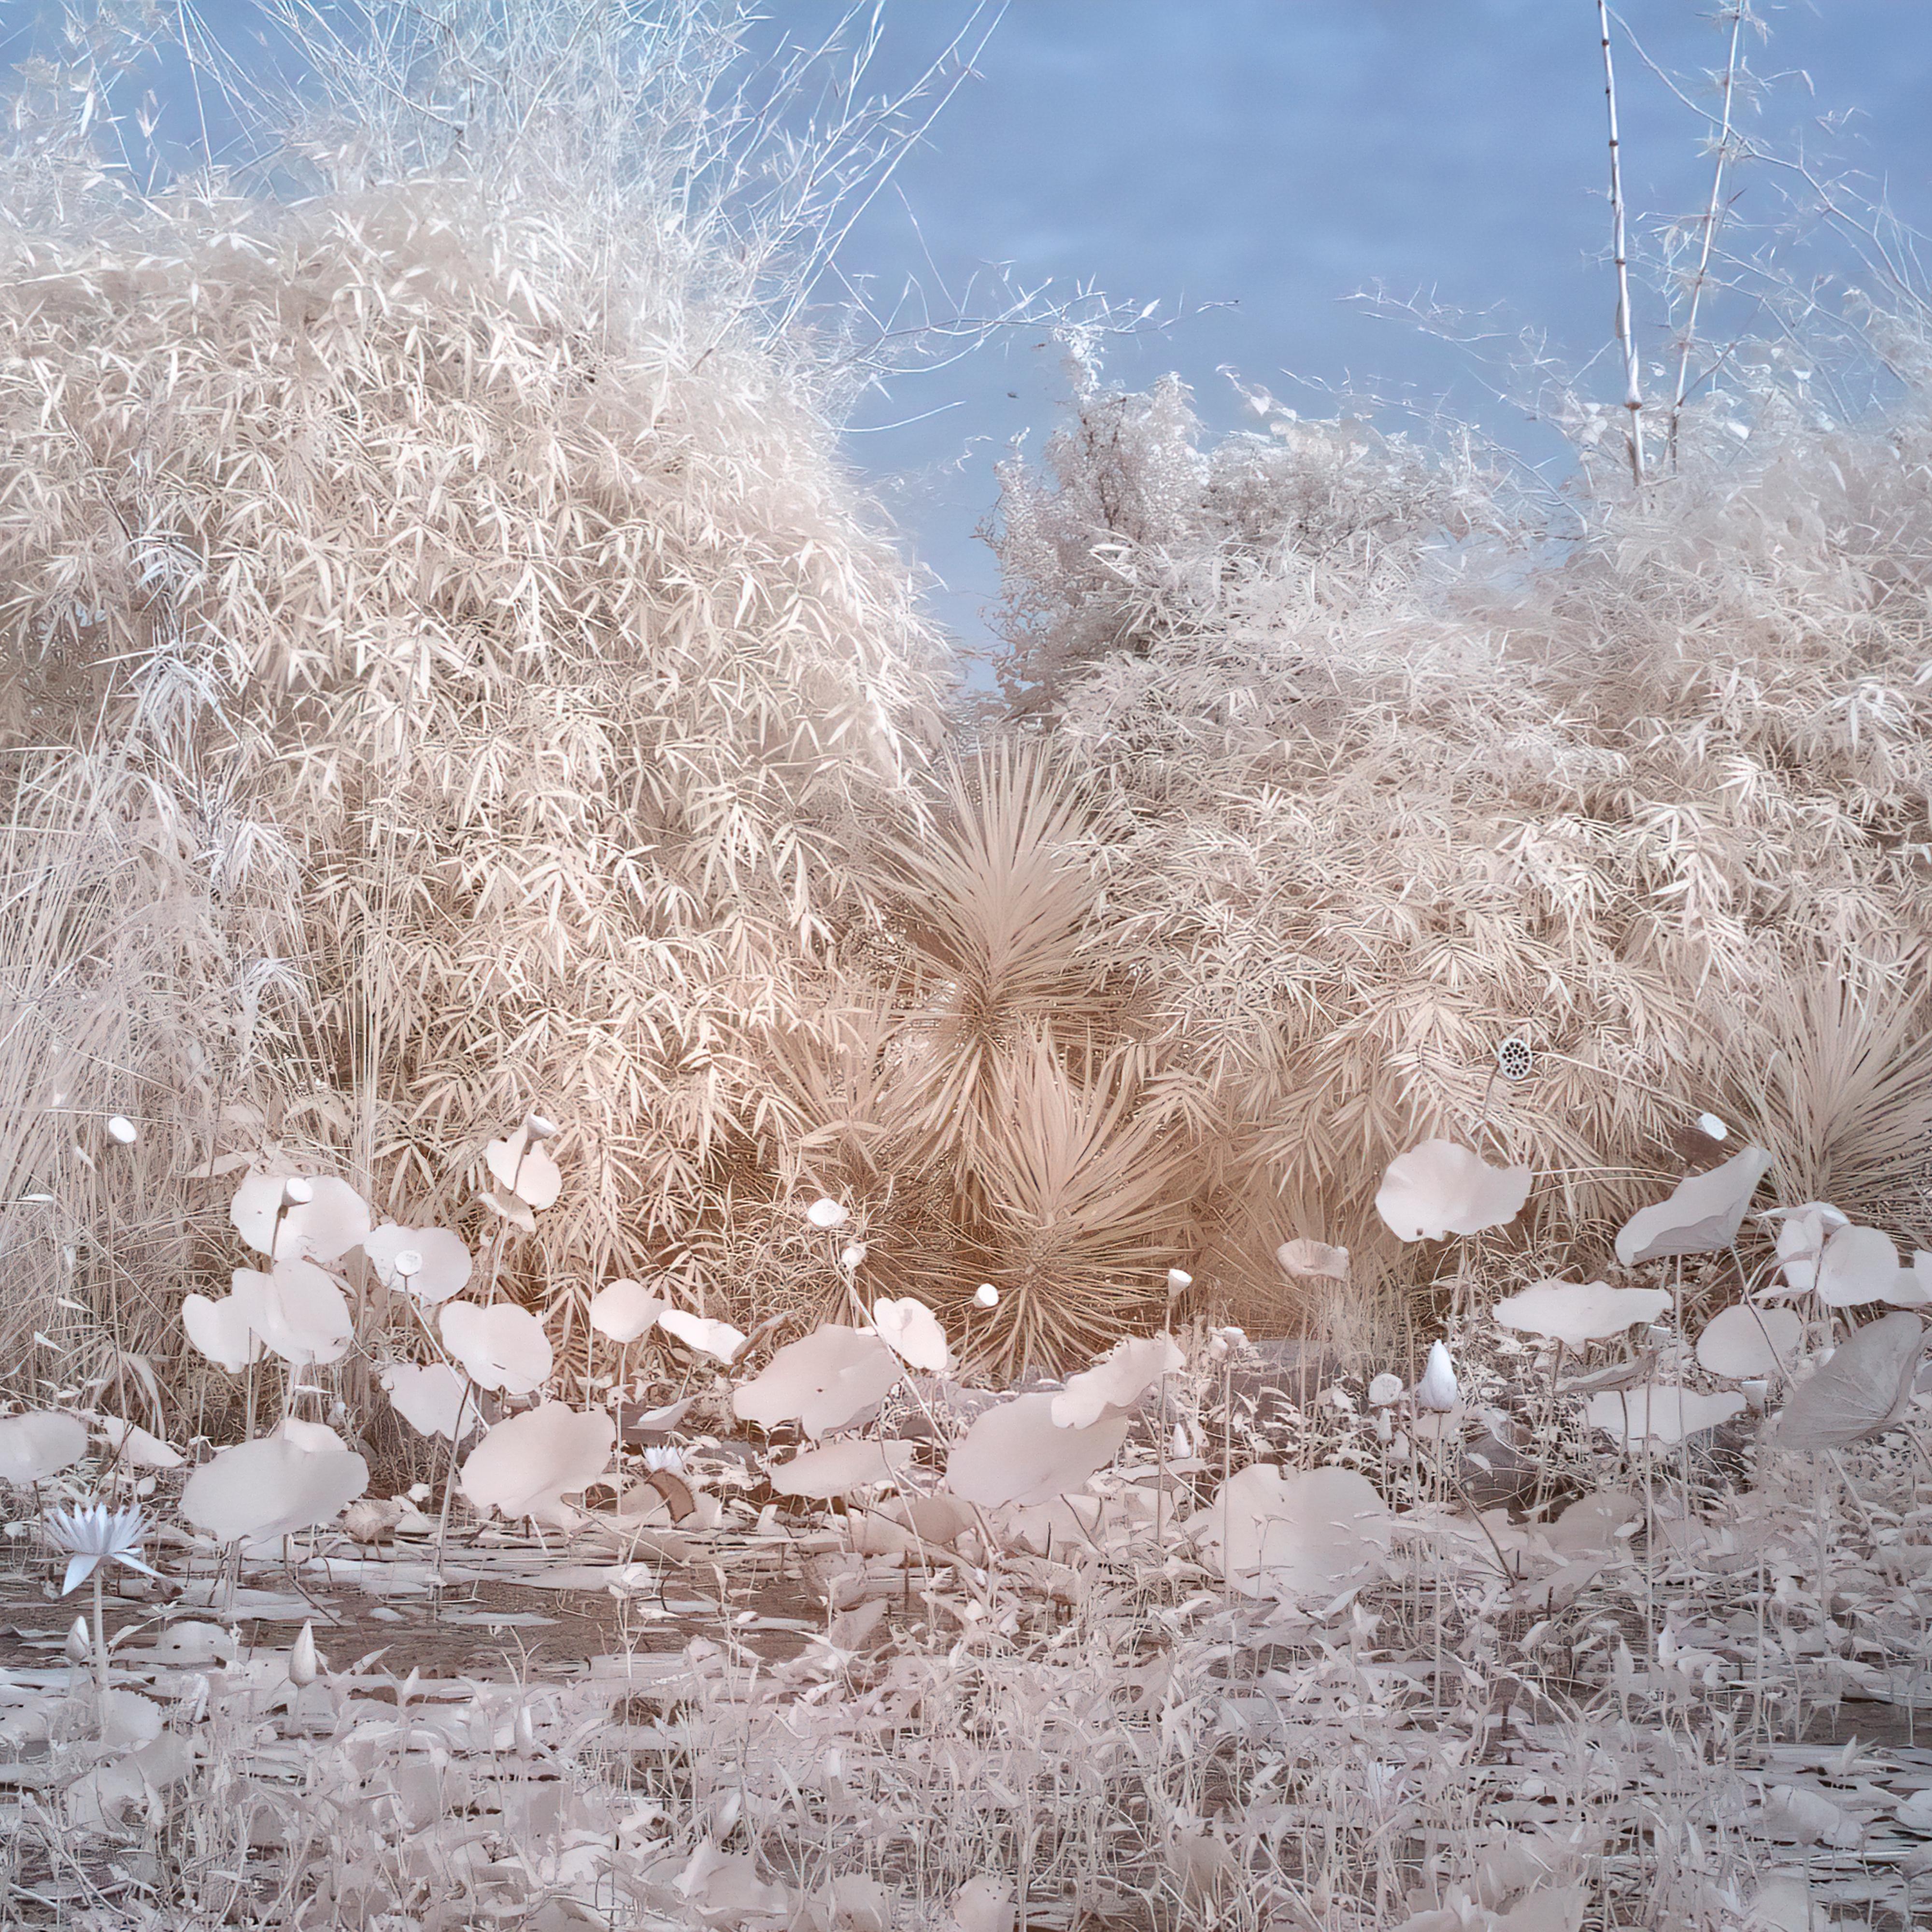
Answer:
[(1438, 1391), (826, 1213), (1703, 1212), (39, 1444), (912, 1331), (1577, 1313), (1314, 1259), (93, 1535), (718, 1339), (985, 1296), (1438, 1189)]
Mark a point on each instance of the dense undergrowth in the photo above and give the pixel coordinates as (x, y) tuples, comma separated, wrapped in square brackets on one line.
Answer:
[(450, 680)]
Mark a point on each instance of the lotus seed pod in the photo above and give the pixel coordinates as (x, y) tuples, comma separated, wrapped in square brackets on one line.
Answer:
[(1712, 1125), (1179, 1281), (408, 1261), (1384, 1390), (297, 1192), (851, 1255), (985, 1296), (538, 1129)]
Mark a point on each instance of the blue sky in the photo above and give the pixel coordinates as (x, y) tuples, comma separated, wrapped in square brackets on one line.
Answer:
[(1251, 163)]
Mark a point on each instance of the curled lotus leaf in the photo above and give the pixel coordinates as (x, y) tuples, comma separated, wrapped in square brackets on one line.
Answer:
[(500, 1347), (912, 1331), (432, 1398), (1314, 1260), (526, 1467), (840, 1468), (1272, 1532), (39, 1444), (220, 1331), (623, 1309), (825, 1382), (443, 1262), (297, 1310), (1862, 1390), (1742, 1342), (1660, 1413), (1118, 1381), (1578, 1313), (1703, 1212), (718, 1340), (324, 1227), (271, 1487), (1015, 1452), (1437, 1188)]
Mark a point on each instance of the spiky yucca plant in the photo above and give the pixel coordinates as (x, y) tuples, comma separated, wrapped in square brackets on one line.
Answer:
[(1383, 813)]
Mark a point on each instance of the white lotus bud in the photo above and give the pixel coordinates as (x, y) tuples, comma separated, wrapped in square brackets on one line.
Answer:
[(1712, 1125), (297, 1192), (826, 1213), (1384, 1390), (851, 1255), (536, 1128), (122, 1129), (985, 1296), (1437, 1390), (80, 1645), (303, 1667)]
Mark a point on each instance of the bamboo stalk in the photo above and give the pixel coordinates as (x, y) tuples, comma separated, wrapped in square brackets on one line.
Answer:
[(1626, 328), (1713, 210)]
